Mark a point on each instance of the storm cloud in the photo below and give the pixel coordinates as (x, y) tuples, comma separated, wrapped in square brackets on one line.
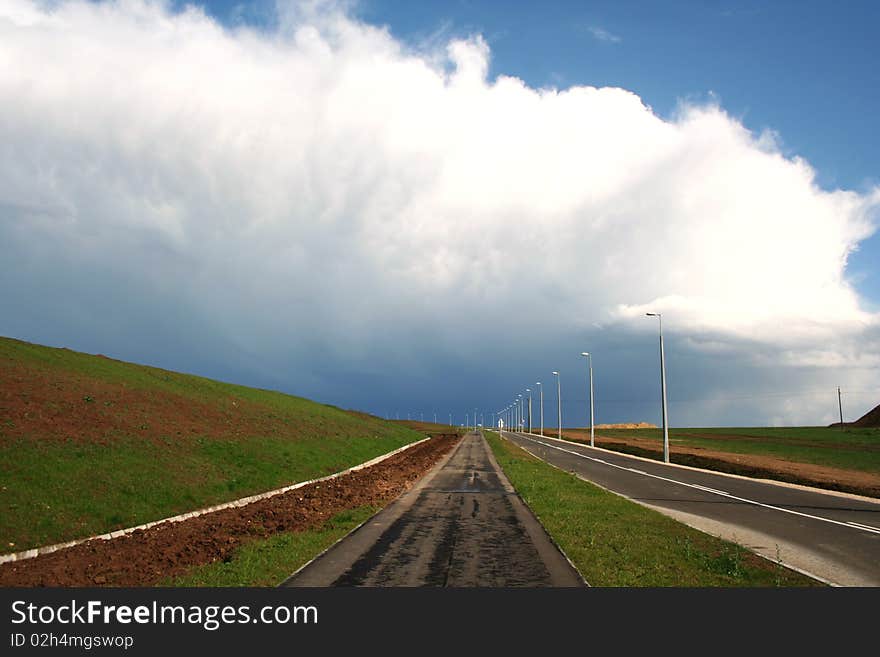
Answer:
[(321, 208)]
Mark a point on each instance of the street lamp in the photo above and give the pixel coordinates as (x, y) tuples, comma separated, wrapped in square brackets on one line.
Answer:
[(541, 390), (519, 411), (590, 361), (663, 389), (558, 404), (529, 390)]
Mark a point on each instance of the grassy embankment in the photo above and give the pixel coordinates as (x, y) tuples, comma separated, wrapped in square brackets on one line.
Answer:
[(615, 542), (848, 449), (89, 444)]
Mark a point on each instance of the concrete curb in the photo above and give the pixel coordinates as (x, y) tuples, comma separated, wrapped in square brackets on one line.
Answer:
[(35, 552)]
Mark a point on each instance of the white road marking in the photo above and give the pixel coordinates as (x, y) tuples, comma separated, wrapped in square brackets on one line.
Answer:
[(850, 525), (711, 490)]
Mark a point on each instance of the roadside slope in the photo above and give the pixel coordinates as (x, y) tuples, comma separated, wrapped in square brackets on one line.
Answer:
[(89, 444)]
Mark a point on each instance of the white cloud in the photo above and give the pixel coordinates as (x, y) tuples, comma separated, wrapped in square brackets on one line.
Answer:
[(602, 34), (324, 185)]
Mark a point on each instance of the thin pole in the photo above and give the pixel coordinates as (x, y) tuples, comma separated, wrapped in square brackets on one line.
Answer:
[(541, 389), (592, 428), (558, 405), (840, 407), (663, 388), (529, 390)]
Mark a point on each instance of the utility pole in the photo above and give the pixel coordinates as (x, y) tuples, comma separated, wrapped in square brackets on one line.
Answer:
[(840, 407)]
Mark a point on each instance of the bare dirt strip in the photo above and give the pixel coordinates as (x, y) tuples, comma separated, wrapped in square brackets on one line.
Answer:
[(145, 557)]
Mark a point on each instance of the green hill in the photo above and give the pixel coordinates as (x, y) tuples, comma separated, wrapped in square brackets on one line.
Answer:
[(89, 444)]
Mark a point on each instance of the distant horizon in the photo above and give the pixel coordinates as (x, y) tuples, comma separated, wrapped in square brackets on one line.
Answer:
[(429, 419)]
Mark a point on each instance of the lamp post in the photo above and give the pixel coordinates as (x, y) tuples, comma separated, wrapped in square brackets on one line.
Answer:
[(558, 404), (519, 412), (529, 391), (541, 390), (663, 389), (590, 361)]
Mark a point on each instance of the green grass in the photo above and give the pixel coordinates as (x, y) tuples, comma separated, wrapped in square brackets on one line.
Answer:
[(615, 542), (268, 562), (57, 492), (848, 449), (55, 487)]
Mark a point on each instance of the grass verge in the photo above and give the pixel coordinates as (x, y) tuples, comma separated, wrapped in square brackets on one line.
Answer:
[(615, 542), (852, 448), (268, 562)]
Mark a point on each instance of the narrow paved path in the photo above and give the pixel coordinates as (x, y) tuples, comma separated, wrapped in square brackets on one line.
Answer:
[(463, 525)]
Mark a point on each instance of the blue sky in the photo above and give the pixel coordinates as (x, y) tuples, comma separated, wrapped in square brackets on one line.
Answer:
[(381, 222)]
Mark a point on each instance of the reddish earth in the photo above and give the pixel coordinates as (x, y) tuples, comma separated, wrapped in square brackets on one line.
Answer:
[(148, 556), (628, 425), (60, 405), (749, 465)]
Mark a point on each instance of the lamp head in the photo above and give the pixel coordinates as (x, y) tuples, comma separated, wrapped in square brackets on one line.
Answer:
[(585, 353), (555, 373)]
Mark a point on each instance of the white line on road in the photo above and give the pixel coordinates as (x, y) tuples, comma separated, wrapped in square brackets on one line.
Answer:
[(711, 490), (850, 525)]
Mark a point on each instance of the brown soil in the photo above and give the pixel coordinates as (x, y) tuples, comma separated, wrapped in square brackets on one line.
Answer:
[(628, 425), (869, 419), (148, 556), (749, 465), (60, 405)]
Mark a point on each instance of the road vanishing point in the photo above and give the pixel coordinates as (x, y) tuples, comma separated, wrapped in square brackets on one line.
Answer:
[(462, 525)]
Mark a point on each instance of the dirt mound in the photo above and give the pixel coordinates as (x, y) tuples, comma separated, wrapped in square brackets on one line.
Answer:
[(869, 419), (627, 425)]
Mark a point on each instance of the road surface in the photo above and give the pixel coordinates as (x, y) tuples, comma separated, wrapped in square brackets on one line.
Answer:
[(831, 536), (462, 525)]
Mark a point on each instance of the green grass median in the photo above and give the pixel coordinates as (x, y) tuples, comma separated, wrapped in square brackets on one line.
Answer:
[(615, 542), (268, 562)]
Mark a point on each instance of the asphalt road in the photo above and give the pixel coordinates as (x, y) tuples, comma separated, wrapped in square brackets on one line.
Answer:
[(832, 536), (461, 526)]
